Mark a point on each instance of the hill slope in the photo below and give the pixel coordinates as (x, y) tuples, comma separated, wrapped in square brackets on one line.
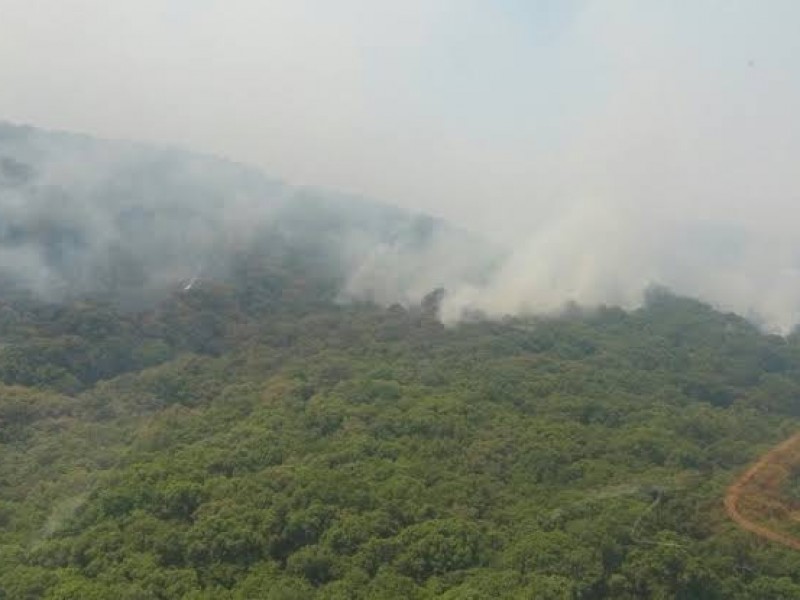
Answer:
[(126, 222), (253, 437)]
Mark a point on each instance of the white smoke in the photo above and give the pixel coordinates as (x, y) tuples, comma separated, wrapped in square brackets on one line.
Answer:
[(607, 146)]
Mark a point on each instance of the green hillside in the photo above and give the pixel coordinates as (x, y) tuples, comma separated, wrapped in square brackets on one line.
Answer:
[(204, 394), (208, 448)]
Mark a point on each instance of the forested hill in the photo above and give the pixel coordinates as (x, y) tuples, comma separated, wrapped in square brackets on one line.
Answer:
[(128, 222), (211, 447), (255, 436)]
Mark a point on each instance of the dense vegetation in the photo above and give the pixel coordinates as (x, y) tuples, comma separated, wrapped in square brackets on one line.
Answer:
[(214, 447), (261, 433)]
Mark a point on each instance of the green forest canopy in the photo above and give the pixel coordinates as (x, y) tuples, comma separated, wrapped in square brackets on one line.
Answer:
[(252, 436), (217, 447)]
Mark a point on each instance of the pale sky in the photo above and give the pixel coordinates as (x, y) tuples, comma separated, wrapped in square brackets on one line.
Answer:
[(464, 108), (505, 116)]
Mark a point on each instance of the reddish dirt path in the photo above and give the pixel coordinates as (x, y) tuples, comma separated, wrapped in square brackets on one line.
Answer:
[(761, 479)]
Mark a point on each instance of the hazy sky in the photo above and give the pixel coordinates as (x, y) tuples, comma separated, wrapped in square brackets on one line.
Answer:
[(618, 131), (471, 109)]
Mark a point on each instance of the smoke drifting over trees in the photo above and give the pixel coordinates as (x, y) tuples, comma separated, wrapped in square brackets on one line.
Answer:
[(607, 147), (83, 216), (127, 221)]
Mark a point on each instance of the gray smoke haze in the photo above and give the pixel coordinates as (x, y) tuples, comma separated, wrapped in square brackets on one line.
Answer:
[(80, 216), (128, 221), (594, 256), (605, 146)]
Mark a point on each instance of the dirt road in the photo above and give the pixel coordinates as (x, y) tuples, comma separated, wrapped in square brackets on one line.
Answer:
[(778, 457)]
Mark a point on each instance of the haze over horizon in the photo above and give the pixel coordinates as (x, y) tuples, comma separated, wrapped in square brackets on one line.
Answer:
[(612, 144)]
